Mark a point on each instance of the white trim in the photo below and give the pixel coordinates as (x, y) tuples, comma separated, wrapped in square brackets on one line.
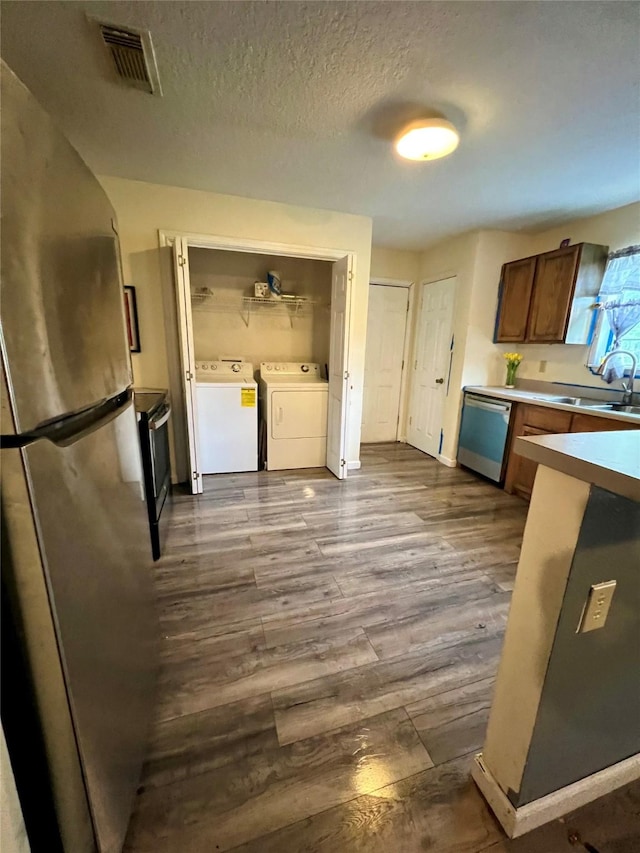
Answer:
[(518, 821), (450, 463), (353, 466), (390, 282), (263, 247), (403, 404)]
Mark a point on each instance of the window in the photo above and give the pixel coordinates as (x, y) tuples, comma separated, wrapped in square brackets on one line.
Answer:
[(618, 312)]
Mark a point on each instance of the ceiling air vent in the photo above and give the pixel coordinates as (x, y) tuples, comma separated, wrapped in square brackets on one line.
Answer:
[(133, 57)]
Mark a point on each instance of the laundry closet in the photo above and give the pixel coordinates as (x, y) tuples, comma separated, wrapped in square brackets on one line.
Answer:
[(261, 360)]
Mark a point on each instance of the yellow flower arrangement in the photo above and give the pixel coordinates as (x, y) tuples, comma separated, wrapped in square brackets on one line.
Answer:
[(513, 359)]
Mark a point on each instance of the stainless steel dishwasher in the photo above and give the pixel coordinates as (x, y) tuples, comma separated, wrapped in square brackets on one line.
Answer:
[(483, 435)]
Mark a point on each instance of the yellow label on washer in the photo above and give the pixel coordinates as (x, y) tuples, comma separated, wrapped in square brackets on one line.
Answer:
[(248, 397)]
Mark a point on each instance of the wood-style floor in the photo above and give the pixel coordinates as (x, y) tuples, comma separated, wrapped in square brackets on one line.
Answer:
[(329, 650)]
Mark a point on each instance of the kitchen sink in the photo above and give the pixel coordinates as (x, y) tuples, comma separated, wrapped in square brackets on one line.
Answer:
[(614, 407), (551, 399)]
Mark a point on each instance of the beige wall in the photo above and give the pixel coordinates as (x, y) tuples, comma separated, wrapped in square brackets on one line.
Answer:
[(476, 259), (142, 209), (616, 229), (221, 325), (13, 833), (395, 264)]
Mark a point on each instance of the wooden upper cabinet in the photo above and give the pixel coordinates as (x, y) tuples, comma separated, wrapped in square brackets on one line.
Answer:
[(552, 295), (515, 297), (549, 298)]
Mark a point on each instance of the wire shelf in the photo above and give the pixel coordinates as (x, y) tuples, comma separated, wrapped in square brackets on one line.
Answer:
[(298, 306)]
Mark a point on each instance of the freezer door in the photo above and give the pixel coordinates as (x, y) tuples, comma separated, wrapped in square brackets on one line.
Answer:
[(91, 519), (62, 305)]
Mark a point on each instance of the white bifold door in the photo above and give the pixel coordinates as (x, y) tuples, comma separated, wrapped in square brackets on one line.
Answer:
[(188, 359), (386, 328), (430, 368), (338, 373)]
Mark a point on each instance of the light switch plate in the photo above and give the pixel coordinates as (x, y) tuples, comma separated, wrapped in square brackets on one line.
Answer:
[(596, 608)]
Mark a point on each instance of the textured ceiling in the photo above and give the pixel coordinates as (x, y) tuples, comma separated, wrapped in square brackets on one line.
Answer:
[(294, 102)]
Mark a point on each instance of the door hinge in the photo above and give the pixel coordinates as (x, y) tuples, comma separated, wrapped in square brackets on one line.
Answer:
[(195, 475), (402, 368), (346, 374), (415, 364), (343, 462), (189, 375), (181, 260), (350, 275), (410, 421)]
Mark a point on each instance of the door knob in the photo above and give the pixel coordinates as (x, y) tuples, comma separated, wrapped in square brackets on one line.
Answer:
[(439, 381)]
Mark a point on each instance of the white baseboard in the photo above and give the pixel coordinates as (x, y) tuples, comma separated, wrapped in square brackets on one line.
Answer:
[(518, 821), (353, 466), (450, 463)]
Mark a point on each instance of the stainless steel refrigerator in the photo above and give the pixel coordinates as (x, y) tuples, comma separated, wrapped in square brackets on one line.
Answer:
[(76, 563)]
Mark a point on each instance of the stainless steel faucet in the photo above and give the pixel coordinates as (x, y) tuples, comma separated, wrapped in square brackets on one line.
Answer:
[(627, 397)]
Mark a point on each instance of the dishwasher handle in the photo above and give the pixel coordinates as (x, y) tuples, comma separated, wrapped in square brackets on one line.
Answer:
[(482, 403)]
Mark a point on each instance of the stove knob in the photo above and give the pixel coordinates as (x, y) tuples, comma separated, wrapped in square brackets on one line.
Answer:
[(214, 366), (235, 367), (205, 366), (305, 368)]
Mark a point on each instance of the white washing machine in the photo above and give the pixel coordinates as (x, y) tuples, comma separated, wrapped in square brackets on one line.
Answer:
[(294, 400), (227, 417)]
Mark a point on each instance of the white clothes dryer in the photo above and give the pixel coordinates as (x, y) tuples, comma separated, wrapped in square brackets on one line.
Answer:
[(227, 417), (294, 400)]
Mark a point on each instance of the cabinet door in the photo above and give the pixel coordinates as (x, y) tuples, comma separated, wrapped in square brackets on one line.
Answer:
[(515, 299), (524, 470), (552, 294), (592, 423)]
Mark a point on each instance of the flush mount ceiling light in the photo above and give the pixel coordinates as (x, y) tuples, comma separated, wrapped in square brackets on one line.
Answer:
[(427, 139)]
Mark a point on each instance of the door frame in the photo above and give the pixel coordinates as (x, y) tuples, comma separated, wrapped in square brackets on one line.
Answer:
[(168, 237), (403, 403), (450, 463)]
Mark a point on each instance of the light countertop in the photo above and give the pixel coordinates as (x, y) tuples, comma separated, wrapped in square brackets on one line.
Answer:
[(537, 398), (610, 460)]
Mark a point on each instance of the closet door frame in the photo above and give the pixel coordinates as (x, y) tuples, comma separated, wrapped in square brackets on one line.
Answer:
[(236, 244)]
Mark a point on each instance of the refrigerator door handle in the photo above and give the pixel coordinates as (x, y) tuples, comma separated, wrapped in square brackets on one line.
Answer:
[(72, 428)]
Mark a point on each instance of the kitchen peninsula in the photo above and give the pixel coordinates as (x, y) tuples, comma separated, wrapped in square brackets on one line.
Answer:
[(563, 724)]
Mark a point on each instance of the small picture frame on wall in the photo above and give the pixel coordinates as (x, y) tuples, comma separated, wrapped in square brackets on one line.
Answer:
[(131, 313)]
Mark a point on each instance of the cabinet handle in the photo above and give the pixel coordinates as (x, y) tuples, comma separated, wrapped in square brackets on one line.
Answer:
[(439, 381)]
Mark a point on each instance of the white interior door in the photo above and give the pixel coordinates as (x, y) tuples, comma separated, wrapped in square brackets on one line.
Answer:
[(187, 355), (430, 369), (342, 274), (386, 329)]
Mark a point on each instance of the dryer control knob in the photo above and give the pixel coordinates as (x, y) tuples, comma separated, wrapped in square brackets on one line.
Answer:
[(305, 368), (205, 366), (214, 366), (235, 367)]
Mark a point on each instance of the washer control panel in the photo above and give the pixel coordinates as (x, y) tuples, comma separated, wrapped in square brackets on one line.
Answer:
[(211, 369)]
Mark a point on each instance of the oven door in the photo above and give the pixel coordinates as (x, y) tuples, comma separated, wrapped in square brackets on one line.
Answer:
[(160, 460)]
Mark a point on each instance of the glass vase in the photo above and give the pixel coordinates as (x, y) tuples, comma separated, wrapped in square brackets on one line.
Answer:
[(511, 376)]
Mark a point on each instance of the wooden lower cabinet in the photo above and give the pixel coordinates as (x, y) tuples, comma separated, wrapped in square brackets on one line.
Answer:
[(539, 420), (592, 423), (521, 472)]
